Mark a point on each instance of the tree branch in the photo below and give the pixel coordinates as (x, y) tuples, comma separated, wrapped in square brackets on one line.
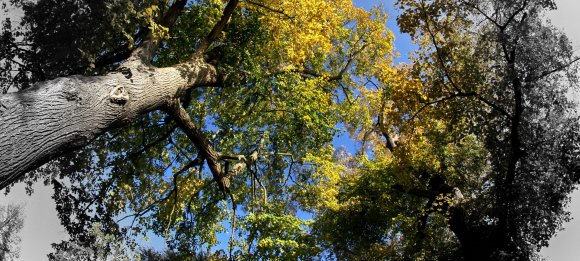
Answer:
[(309, 72), (218, 28), (448, 76), (270, 9), (52, 117), (173, 13), (494, 106), (206, 150), (555, 70), (513, 16), (438, 52), (145, 52), (476, 7)]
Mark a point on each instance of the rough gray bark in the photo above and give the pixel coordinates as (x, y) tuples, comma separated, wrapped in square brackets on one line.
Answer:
[(53, 117)]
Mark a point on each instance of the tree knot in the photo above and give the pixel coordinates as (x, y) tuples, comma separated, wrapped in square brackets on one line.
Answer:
[(119, 95)]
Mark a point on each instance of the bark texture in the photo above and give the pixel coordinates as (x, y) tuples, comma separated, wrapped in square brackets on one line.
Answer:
[(53, 117)]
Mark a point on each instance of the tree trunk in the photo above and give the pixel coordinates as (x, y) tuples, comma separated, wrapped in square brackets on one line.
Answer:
[(53, 117), (476, 243)]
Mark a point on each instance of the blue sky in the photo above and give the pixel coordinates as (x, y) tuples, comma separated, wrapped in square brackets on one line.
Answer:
[(403, 43)]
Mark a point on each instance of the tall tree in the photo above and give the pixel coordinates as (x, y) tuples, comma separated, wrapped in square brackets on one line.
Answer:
[(197, 116), (487, 140), (218, 100)]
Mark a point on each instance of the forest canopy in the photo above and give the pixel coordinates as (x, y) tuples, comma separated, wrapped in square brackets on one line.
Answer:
[(191, 120)]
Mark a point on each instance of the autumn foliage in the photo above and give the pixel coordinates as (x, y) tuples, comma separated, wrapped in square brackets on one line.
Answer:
[(467, 151)]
